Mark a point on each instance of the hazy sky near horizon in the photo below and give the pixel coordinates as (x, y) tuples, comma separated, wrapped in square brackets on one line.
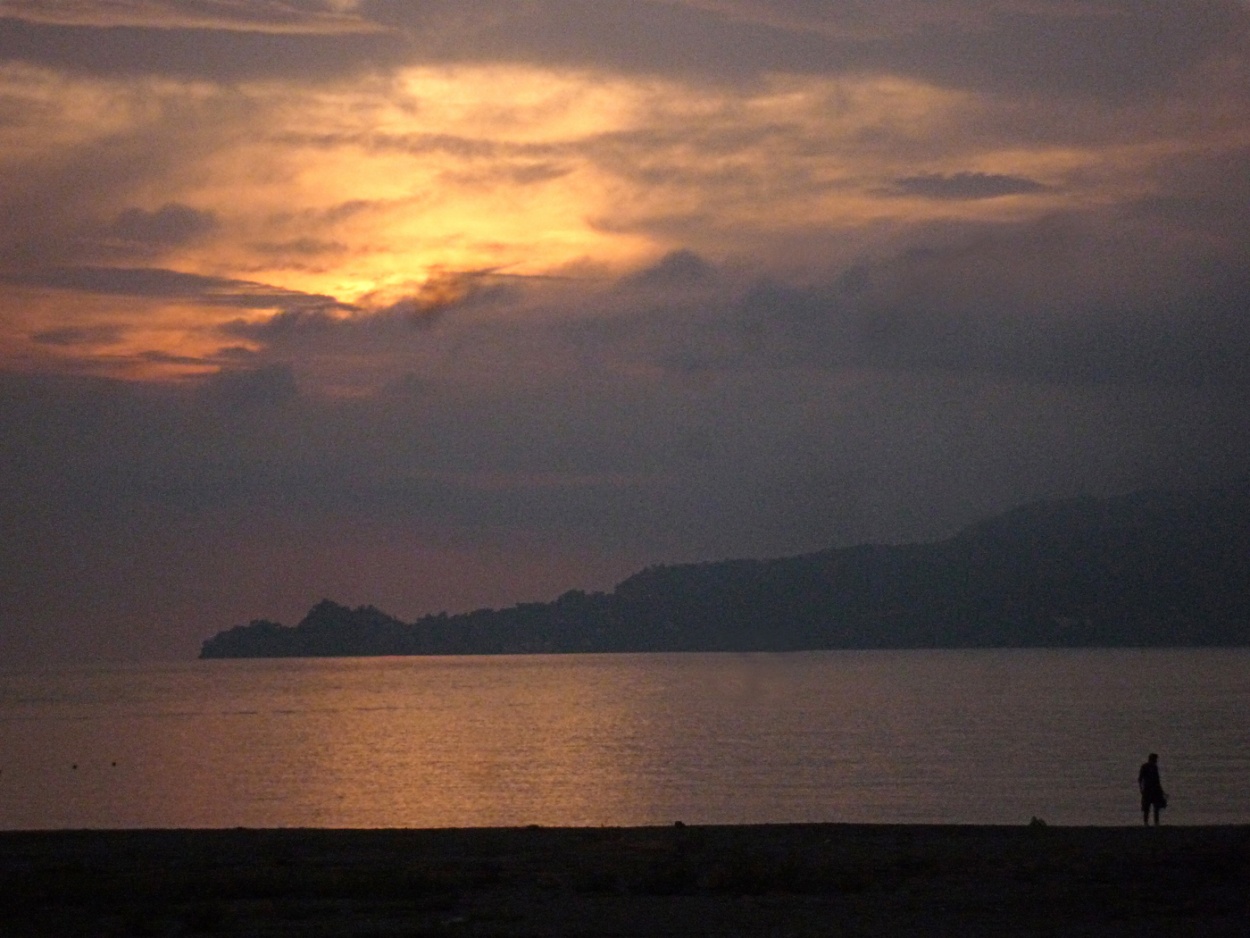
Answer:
[(437, 305)]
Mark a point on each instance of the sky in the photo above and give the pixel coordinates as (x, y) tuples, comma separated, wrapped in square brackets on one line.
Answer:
[(442, 305)]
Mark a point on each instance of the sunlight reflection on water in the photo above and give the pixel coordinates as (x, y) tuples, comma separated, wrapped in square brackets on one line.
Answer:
[(906, 737)]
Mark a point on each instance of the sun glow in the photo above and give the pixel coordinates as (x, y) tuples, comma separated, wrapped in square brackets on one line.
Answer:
[(365, 194), (353, 198)]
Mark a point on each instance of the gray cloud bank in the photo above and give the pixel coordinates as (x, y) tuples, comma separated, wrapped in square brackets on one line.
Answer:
[(1113, 49), (157, 282), (700, 415)]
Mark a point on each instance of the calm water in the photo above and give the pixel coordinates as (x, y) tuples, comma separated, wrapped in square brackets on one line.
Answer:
[(937, 737)]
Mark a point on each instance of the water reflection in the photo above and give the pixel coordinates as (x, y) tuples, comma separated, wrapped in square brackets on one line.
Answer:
[(937, 737)]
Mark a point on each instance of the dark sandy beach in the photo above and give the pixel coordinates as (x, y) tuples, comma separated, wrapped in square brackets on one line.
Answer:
[(788, 880)]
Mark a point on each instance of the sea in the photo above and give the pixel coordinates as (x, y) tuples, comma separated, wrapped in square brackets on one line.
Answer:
[(881, 737)]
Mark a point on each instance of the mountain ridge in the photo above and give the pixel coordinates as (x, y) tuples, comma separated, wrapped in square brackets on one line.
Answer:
[(1151, 568)]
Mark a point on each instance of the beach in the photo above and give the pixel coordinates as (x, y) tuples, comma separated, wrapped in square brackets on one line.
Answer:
[(794, 880)]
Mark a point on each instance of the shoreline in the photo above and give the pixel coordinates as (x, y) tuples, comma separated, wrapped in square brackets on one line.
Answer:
[(793, 879)]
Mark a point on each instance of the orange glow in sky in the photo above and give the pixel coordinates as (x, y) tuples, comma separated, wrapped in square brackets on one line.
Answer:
[(379, 190), (436, 304)]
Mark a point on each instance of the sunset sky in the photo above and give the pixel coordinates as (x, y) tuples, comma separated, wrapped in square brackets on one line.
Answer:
[(440, 305)]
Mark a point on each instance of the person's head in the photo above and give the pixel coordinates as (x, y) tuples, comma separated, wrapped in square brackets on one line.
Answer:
[(1154, 757)]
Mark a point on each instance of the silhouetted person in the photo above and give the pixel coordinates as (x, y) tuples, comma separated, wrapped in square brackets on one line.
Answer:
[(1152, 796)]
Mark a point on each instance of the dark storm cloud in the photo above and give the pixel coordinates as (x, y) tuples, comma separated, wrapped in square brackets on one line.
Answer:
[(627, 37), (171, 224), (166, 358), (1113, 49), (79, 335), (247, 439), (278, 16), (297, 248), (379, 141), (114, 487), (958, 186), (289, 325), (911, 319), (82, 201), (270, 385), (316, 325), (1110, 49), (169, 284), (676, 269), (196, 53), (719, 462), (1203, 199), (1142, 296)]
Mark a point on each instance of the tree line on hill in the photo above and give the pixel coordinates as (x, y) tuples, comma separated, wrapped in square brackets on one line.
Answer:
[(1155, 568)]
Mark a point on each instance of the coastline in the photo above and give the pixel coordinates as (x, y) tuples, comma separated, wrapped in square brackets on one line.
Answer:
[(797, 879)]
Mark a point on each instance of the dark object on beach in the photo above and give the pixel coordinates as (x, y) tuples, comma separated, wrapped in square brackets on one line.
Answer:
[(1153, 797)]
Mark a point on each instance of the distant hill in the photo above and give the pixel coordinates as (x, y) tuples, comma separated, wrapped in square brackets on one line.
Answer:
[(1155, 568)]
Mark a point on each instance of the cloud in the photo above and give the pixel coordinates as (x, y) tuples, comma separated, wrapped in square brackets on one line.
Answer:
[(958, 186), (158, 357), (1142, 296), (301, 248), (264, 16), (1105, 49), (542, 440), (171, 224), (460, 301), (80, 335), (946, 308), (209, 48), (269, 385), (283, 326), (170, 284), (674, 270)]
